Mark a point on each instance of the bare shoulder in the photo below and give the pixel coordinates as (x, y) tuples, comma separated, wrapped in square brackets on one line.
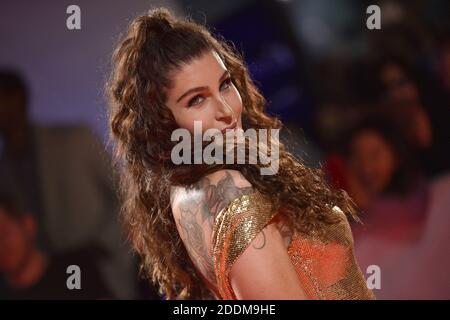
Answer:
[(213, 193), (194, 210), (223, 186)]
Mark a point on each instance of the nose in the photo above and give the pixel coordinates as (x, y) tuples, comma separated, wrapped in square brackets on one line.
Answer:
[(224, 111)]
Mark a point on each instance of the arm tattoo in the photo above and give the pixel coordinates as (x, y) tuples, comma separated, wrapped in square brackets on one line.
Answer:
[(220, 195), (196, 211), (258, 247), (194, 237)]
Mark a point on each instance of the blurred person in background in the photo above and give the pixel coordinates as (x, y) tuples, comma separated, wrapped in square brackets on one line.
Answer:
[(420, 110), (382, 167), (63, 176), (405, 215), (28, 272)]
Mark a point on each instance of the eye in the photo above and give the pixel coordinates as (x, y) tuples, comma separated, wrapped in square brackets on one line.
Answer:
[(195, 101), (226, 83)]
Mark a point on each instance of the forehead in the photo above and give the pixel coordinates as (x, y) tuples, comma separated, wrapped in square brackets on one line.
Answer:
[(368, 137), (198, 72), (392, 70)]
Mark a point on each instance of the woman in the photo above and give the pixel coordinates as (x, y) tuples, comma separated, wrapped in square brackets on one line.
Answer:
[(217, 231), (402, 206), (381, 160)]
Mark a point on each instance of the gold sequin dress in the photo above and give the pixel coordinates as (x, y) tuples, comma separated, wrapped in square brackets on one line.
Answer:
[(327, 269)]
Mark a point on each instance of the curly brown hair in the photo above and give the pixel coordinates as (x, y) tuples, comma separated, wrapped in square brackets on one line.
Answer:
[(141, 125)]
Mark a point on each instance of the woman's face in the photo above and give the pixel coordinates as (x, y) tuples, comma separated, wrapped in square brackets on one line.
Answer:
[(373, 161), (203, 91)]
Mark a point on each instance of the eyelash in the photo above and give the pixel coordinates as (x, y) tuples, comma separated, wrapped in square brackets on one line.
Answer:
[(227, 81)]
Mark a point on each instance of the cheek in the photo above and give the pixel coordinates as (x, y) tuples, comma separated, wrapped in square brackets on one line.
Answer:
[(186, 119), (387, 164), (12, 251), (383, 169)]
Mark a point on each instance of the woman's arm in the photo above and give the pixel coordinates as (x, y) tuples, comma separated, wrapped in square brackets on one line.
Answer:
[(265, 271), (194, 210)]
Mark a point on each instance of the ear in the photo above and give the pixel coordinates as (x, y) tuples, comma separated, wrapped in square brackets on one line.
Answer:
[(30, 225)]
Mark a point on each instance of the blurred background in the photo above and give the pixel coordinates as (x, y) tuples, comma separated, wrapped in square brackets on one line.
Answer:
[(371, 107)]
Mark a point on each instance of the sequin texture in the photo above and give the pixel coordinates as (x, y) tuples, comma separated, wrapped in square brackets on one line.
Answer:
[(327, 269)]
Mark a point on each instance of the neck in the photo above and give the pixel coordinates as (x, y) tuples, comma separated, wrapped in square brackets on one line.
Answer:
[(16, 140), (31, 271)]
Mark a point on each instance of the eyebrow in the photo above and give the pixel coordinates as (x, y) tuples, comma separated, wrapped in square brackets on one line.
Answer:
[(201, 88)]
